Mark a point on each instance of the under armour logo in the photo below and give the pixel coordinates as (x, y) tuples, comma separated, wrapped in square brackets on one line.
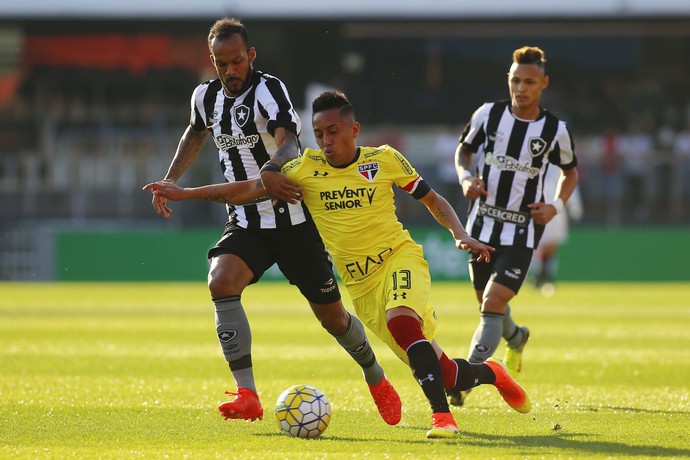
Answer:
[(428, 378), (402, 295), (319, 173)]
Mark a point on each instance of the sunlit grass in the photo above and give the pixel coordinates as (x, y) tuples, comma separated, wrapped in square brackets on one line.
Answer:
[(135, 371)]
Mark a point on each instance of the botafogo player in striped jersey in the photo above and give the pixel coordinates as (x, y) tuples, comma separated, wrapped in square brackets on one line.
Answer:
[(249, 116), (513, 142)]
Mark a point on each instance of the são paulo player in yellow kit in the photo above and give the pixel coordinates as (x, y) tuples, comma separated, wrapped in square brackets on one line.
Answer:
[(349, 193)]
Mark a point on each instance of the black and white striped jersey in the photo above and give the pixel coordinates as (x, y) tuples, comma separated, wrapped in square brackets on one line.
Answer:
[(513, 155), (242, 129)]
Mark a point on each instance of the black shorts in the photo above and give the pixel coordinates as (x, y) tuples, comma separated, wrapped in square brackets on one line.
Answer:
[(509, 266), (298, 251)]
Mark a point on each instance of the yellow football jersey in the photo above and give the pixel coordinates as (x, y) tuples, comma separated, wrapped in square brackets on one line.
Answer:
[(353, 208)]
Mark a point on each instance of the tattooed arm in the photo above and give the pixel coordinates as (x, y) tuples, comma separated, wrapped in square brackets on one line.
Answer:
[(277, 185), (242, 192)]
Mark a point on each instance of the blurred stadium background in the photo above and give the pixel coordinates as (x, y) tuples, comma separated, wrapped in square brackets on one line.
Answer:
[(94, 98)]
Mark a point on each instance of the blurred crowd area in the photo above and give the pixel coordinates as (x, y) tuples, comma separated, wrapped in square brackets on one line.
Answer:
[(92, 111)]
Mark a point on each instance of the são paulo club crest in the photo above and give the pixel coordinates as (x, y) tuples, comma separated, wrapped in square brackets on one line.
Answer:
[(241, 115), (369, 170), (537, 146)]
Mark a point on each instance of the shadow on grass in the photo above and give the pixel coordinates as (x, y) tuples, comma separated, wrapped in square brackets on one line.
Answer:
[(633, 410), (576, 442), (418, 431), (579, 443)]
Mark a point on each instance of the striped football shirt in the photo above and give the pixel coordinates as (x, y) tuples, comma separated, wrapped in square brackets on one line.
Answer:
[(513, 155), (242, 128)]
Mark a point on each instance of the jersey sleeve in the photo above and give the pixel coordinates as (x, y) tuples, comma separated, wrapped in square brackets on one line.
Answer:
[(474, 134), (291, 168), (197, 119), (274, 99), (406, 177), (563, 152)]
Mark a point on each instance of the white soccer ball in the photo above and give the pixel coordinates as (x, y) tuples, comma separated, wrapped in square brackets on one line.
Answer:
[(303, 411)]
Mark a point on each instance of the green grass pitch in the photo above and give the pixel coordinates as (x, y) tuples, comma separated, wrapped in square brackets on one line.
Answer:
[(134, 371)]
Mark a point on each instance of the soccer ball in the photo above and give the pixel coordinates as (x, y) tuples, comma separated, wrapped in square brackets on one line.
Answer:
[(303, 411)]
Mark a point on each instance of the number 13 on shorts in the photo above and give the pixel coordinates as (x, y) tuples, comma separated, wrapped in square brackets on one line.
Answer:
[(410, 288), (402, 283)]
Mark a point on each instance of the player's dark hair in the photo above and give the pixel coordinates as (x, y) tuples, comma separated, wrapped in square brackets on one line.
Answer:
[(333, 100), (530, 55), (226, 27)]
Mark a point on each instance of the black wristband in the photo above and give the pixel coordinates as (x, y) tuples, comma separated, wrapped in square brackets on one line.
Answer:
[(270, 167)]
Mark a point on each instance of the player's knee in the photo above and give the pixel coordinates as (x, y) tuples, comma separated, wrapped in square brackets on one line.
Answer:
[(494, 302), (493, 306), (334, 320), (333, 327), (217, 287), (223, 283)]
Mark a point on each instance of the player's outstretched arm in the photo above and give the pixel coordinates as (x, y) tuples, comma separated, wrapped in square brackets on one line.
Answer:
[(445, 215), (277, 185), (187, 151), (242, 192)]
